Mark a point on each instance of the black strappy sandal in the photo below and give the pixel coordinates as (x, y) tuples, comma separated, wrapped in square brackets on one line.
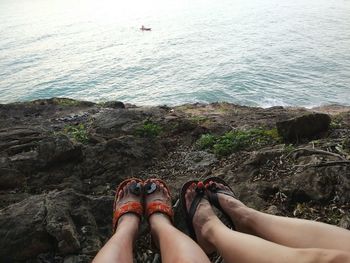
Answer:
[(200, 190), (212, 191)]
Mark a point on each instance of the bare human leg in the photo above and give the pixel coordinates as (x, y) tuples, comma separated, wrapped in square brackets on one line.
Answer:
[(174, 245), (120, 247), (243, 248), (286, 231)]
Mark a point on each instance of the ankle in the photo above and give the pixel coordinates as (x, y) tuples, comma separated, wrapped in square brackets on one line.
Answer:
[(157, 221), (130, 223), (244, 219), (208, 229)]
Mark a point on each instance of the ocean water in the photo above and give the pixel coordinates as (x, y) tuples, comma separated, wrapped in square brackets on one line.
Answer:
[(250, 52)]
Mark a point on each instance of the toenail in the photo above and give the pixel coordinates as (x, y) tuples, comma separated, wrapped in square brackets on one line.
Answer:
[(200, 185)]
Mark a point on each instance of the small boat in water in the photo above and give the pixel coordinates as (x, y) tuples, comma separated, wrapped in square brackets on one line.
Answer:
[(145, 28)]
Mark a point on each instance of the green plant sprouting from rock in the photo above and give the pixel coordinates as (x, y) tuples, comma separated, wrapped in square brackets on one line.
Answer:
[(199, 119), (149, 129), (288, 148), (78, 132), (337, 122), (237, 140)]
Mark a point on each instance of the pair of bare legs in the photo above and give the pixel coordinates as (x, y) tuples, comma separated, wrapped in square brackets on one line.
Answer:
[(260, 237), (174, 245), (266, 238)]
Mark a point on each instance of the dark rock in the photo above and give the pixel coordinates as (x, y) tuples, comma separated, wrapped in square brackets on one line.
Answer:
[(60, 219), (10, 178), (114, 105), (262, 156), (199, 160), (311, 184), (51, 151), (58, 149), (112, 123), (67, 102), (67, 213), (118, 158), (165, 107), (307, 126), (276, 108), (47, 258), (77, 259), (273, 210), (12, 197), (55, 150), (345, 221), (23, 234)]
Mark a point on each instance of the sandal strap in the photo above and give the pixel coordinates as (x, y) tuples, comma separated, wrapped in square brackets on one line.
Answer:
[(160, 207), (214, 199), (129, 207), (193, 208)]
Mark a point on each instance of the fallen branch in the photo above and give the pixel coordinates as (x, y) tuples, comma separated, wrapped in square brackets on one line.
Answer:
[(335, 163), (314, 151), (332, 163)]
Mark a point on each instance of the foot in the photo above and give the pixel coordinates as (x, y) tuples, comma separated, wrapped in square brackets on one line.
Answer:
[(160, 194), (238, 212), (203, 219), (126, 196)]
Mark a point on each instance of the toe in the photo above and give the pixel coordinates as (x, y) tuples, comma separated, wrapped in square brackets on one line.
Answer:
[(192, 186), (126, 189), (165, 191), (120, 194)]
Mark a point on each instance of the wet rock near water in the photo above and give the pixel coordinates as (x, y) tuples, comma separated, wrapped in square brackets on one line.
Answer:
[(61, 160)]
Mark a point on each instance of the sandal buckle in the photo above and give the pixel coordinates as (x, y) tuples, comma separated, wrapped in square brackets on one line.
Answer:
[(136, 188), (150, 188)]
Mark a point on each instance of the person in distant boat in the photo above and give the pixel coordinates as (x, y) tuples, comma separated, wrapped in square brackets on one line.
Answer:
[(143, 28)]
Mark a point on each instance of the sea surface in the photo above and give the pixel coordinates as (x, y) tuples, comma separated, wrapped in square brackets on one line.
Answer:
[(250, 52)]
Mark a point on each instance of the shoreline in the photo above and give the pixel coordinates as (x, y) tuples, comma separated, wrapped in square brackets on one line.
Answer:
[(331, 108)]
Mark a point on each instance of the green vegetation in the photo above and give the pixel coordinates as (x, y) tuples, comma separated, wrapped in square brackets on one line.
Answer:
[(288, 148), (199, 119), (77, 132), (149, 129), (331, 214), (336, 122), (335, 125), (234, 141), (206, 141), (65, 102), (346, 144)]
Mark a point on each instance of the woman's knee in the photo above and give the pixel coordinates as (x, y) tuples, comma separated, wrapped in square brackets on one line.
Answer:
[(340, 257), (324, 256)]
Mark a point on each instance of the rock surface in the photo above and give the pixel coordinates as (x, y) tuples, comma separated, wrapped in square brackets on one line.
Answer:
[(306, 126), (61, 159)]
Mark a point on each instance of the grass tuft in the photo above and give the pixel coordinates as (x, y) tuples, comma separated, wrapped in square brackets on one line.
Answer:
[(234, 141), (149, 129), (77, 132)]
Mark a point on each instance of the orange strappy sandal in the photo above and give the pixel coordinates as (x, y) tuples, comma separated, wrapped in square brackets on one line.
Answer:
[(129, 207), (157, 206)]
